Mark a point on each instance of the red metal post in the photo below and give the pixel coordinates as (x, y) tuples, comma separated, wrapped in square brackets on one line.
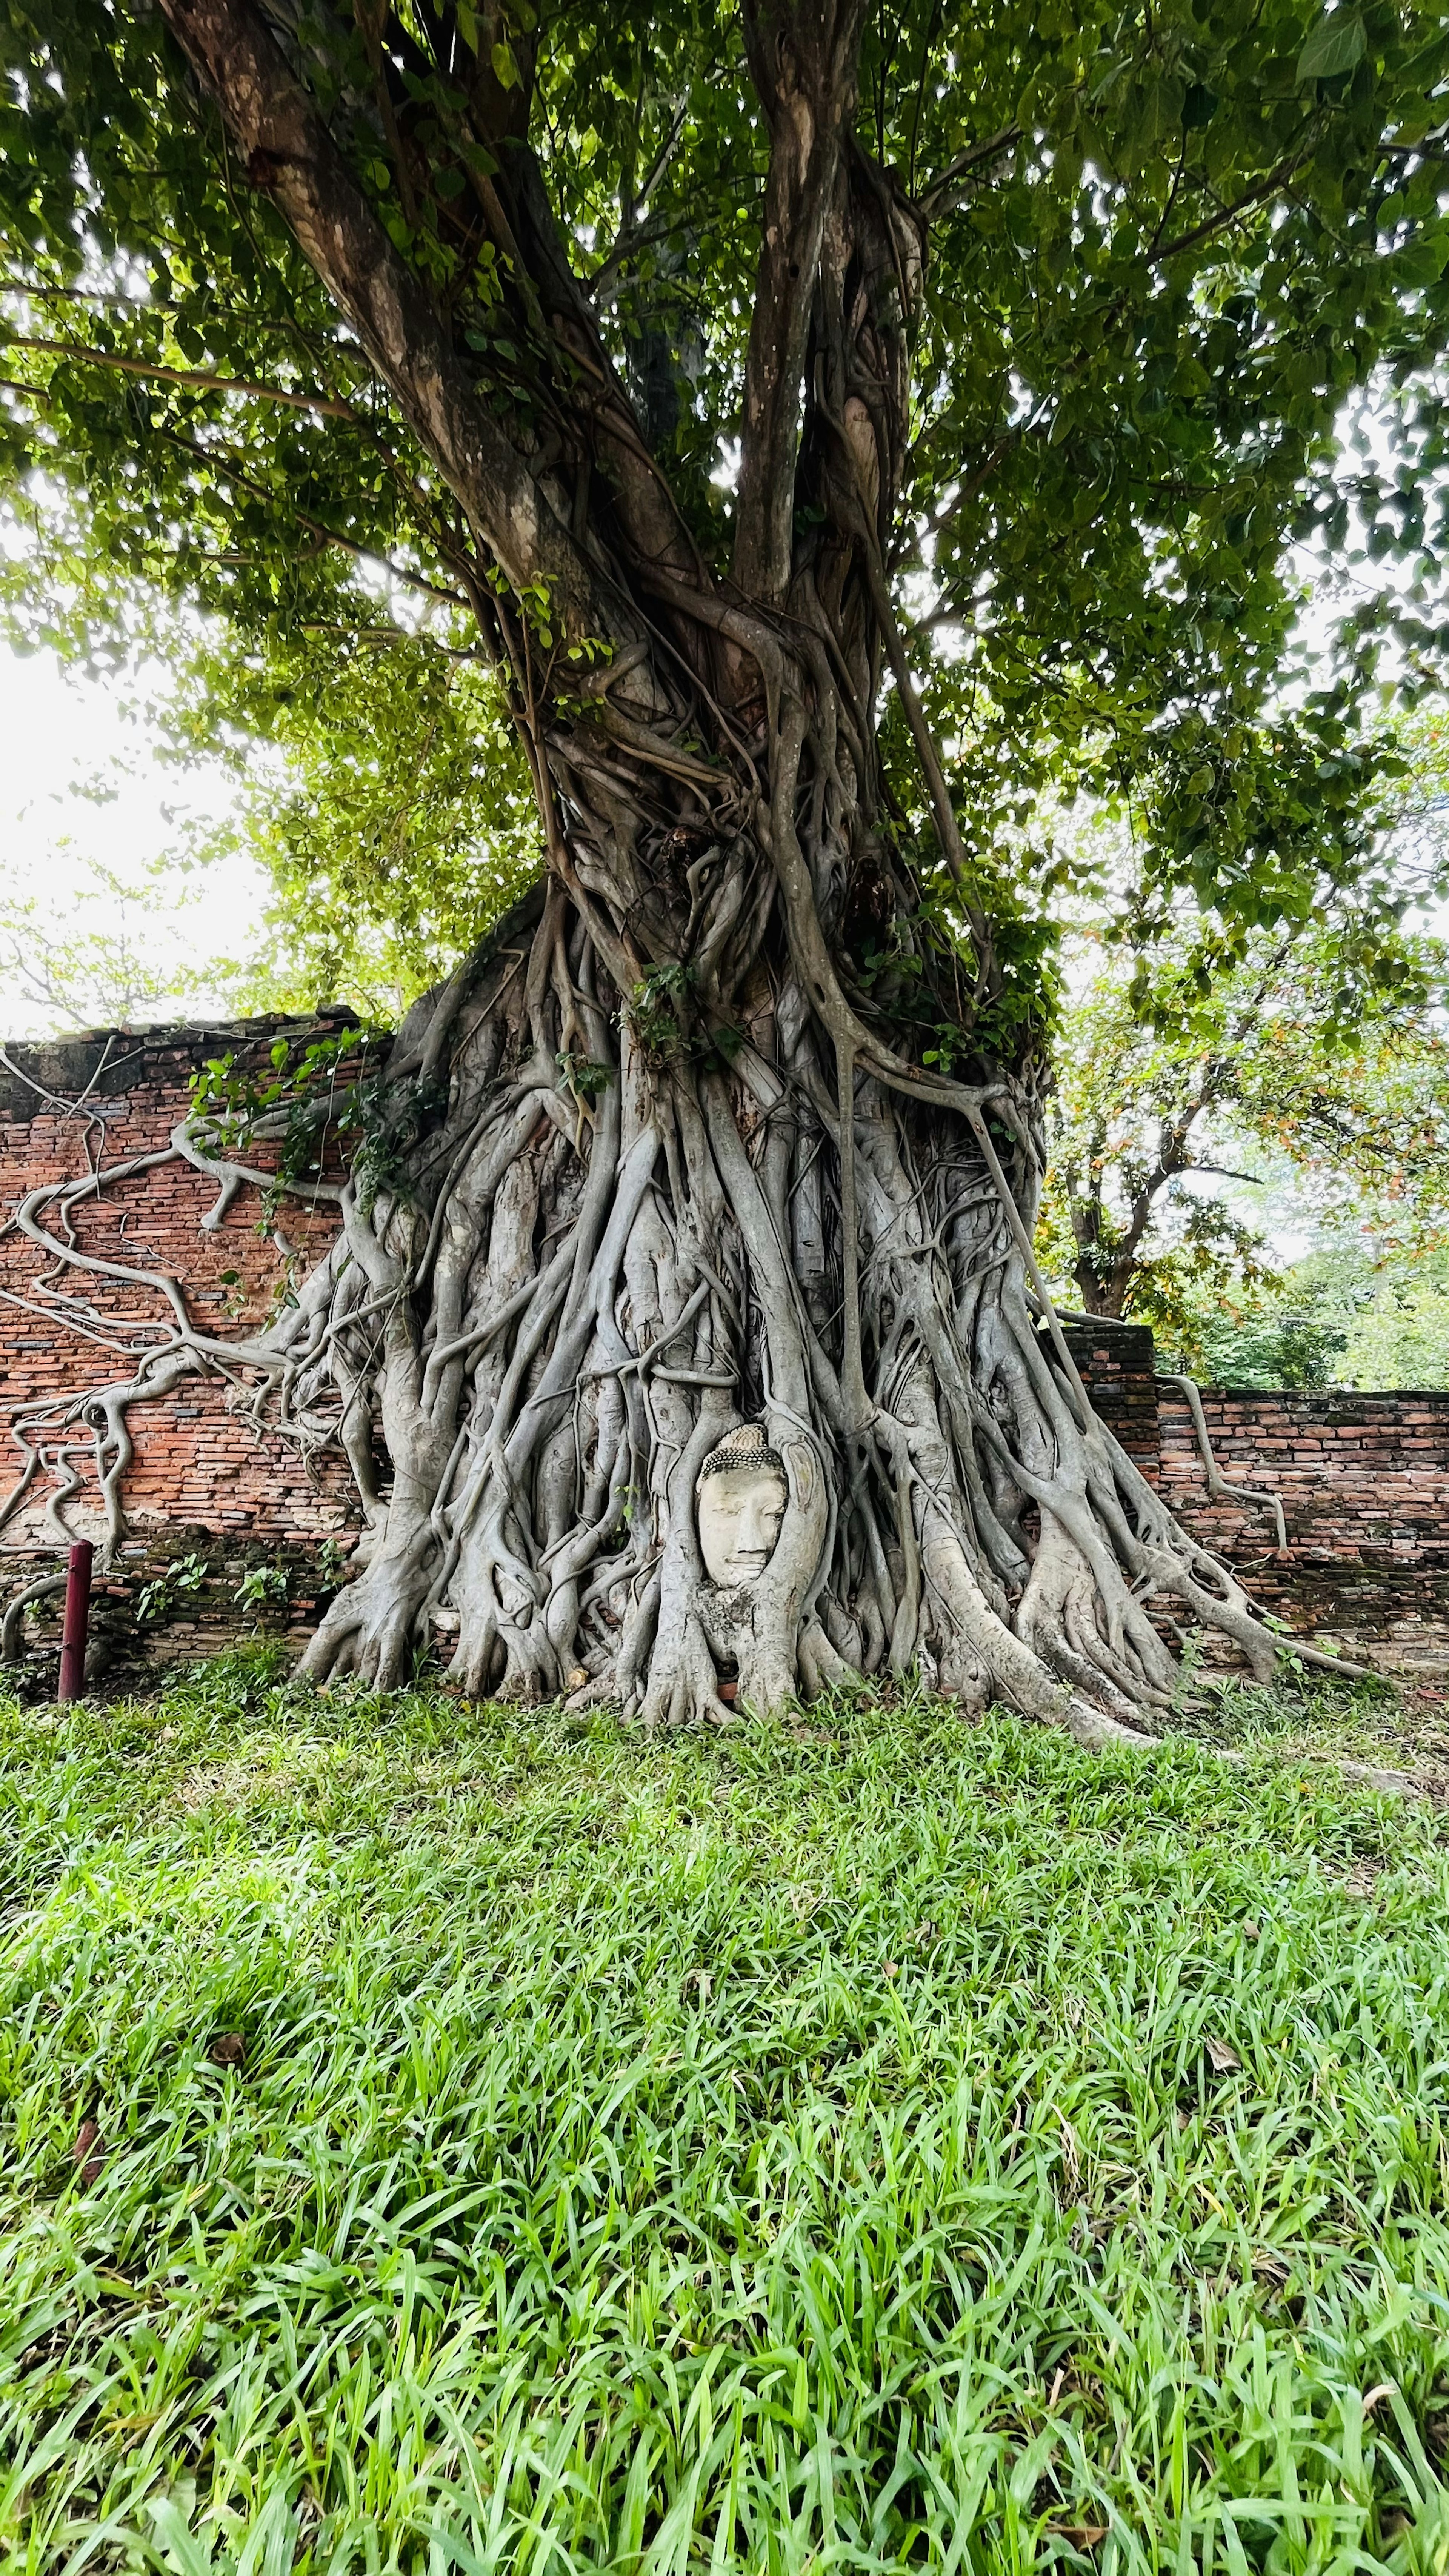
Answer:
[(77, 1618)]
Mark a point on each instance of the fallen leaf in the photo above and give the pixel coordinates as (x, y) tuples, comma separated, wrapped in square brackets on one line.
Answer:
[(1251, 1930), (1082, 2535), (1270, 2267), (228, 2049), (577, 1677), (1385, 2388), (135, 2423), (90, 2150), (702, 1981), (1222, 2059), (892, 1968)]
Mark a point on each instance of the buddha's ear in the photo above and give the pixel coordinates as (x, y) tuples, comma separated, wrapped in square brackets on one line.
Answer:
[(802, 1473)]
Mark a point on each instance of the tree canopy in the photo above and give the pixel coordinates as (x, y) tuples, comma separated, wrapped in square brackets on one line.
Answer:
[(1162, 255)]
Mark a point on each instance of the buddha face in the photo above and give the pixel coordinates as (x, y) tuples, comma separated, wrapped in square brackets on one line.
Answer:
[(741, 1500)]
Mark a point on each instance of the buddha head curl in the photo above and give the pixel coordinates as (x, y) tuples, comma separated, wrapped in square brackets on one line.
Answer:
[(740, 1498)]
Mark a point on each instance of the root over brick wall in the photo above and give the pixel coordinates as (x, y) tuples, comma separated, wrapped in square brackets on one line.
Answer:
[(204, 1484), (1363, 1479)]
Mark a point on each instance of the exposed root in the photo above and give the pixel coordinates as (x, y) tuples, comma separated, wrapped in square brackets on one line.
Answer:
[(1217, 1483)]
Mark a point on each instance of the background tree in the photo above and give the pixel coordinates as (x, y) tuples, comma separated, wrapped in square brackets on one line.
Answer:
[(654, 360), (1376, 1307), (377, 782), (1162, 1094), (94, 965)]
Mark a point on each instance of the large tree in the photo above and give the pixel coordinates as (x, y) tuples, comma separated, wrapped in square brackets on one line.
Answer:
[(835, 431)]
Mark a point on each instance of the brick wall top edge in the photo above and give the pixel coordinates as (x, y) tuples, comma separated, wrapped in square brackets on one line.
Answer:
[(1122, 1341), (1334, 1404), (108, 1063)]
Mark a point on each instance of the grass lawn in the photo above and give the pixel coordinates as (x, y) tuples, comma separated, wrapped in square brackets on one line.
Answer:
[(881, 2143)]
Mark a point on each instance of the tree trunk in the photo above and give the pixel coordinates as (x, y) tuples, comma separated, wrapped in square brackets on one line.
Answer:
[(641, 1232), (1103, 1291)]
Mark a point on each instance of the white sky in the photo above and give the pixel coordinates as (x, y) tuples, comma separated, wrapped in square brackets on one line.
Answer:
[(57, 732)]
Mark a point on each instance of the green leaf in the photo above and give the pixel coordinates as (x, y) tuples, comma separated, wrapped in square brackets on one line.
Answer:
[(1421, 262), (1160, 113), (1336, 44), (505, 67)]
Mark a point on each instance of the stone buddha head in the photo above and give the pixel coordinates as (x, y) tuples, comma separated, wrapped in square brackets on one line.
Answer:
[(740, 1500)]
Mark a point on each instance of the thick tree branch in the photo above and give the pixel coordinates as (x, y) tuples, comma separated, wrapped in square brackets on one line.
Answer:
[(952, 186), (803, 64), (290, 156)]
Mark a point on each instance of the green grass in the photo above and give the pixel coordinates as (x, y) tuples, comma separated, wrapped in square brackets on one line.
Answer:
[(797, 2150)]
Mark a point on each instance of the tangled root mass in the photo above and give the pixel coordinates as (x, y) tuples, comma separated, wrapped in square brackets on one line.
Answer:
[(617, 1238)]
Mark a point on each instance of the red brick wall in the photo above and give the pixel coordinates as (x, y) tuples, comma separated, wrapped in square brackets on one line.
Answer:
[(1364, 1484), (1118, 1365), (1363, 1480), (201, 1471)]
